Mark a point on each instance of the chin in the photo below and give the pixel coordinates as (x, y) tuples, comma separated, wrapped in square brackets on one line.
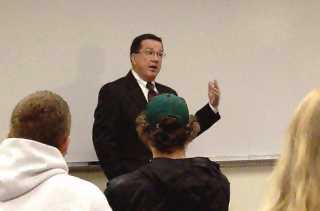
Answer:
[(152, 77)]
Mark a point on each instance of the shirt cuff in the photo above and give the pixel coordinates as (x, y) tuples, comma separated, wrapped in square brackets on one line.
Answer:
[(215, 110)]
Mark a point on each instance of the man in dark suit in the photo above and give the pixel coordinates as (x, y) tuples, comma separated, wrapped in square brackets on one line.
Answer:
[(114, 134)]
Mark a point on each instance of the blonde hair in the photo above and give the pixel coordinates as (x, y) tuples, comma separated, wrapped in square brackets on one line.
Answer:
[(42, 116), (296, 177)]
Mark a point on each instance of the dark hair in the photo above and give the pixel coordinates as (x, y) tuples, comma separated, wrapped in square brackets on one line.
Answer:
[(136, 43), (168, 135), (42, 116)]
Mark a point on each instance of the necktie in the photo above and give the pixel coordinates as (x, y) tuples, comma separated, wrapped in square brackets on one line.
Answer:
[(151, 92)]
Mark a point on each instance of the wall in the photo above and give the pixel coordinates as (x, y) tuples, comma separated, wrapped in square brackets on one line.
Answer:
[(248, 183), (265, 55)]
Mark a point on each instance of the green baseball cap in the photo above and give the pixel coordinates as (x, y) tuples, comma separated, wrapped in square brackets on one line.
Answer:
[(167, 105)]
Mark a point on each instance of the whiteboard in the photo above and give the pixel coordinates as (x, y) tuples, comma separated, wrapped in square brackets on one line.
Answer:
[(265, 55)]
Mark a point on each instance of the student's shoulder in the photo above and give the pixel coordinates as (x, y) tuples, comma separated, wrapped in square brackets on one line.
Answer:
[(131, 183), (78, 191), (125, 191), (126, 182)]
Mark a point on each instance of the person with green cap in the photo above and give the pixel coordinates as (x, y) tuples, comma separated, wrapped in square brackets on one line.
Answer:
[(170, 181)]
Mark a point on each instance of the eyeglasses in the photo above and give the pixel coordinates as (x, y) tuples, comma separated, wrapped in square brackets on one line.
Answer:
[(151, 53)]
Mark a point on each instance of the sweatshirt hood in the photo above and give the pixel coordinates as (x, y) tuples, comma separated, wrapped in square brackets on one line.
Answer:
[(188, 184), (171, 171), (25, 164)]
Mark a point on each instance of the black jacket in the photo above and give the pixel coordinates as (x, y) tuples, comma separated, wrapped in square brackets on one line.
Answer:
[(192, 184), (114, 134)]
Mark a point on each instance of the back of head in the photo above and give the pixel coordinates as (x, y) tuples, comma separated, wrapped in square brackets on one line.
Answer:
[(297, 174), (42, 116), (166, 124)]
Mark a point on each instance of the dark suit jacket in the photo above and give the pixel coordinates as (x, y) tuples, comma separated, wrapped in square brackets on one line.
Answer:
[(114, 134)]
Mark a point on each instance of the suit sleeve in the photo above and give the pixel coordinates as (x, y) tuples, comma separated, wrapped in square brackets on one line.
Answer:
[(106, 129), (206, 118)]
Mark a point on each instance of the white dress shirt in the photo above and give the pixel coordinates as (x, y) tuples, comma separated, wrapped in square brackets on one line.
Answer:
[(143, 84)]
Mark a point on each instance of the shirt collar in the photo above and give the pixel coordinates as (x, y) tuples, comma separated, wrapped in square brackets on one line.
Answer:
[(140, 80)]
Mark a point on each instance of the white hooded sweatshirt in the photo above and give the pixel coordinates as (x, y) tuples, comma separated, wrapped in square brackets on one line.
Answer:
[(34, 176)]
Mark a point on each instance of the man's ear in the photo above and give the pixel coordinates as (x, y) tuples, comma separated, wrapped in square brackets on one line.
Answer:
[(133, 61), (64, 144)]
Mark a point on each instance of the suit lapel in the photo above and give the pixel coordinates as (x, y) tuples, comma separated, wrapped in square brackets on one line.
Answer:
[(134, 92), (163, 89), (160, 89)]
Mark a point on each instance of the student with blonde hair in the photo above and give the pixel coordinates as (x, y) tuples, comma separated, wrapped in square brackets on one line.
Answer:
[(296, 177)]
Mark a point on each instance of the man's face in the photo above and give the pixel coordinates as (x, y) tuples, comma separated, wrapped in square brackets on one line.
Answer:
[(147, 62)]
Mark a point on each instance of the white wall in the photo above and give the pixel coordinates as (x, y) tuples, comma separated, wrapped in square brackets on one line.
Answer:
[(248, 184), (265, 54)]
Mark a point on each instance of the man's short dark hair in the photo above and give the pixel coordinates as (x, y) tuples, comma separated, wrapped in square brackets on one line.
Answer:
[(42, 116), (136, 43)]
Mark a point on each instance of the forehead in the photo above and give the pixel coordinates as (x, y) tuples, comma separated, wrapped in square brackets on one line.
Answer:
[(152, 44)]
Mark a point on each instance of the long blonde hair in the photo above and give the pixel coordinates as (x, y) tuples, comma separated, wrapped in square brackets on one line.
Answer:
[(296, 177)]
